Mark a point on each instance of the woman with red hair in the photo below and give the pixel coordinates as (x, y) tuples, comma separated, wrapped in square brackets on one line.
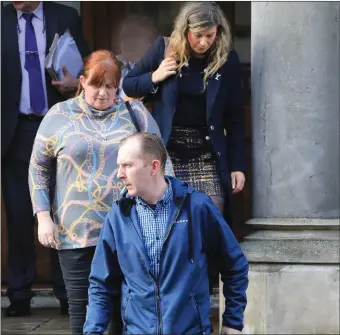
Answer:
[(78, 142)]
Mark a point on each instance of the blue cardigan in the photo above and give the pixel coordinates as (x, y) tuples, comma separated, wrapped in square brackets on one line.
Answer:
[(178, 301), (224, 110)]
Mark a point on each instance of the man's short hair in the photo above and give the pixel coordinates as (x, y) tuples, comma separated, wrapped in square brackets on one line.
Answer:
[(151, 144)]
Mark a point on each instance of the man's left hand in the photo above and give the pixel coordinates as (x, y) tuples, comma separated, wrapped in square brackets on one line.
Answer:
[(237, 181), (229, 331), (68, 85)]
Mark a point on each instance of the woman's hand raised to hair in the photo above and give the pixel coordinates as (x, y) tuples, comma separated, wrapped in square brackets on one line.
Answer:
[(166, 69)]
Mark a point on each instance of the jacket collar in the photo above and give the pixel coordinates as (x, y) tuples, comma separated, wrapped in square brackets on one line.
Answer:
[(52, 24), (213, 87), (168, 195), (179, 190), (12, 29)]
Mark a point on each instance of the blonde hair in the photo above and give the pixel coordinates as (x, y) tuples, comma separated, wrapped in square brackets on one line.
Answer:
[(196, 17)]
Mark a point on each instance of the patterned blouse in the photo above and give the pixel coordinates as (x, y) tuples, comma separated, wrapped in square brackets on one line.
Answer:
[(77, 145)]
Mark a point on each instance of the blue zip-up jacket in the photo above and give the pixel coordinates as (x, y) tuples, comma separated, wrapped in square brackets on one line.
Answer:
[(177, 302)]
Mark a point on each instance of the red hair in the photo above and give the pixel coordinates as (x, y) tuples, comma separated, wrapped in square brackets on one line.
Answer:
[(100, 66)]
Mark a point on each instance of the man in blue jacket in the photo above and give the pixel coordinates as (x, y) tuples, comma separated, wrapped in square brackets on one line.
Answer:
[(154, 248)]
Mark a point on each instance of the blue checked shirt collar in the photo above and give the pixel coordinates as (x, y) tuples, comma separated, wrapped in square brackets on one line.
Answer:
[(166, 198)]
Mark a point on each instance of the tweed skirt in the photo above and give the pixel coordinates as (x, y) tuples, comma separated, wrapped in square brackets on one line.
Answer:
[(193, 160)]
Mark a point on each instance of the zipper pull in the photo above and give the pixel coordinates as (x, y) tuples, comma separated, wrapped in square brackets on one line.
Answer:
[(157, 292)]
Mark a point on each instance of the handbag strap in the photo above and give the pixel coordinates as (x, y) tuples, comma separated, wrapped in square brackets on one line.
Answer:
[(133, 116)]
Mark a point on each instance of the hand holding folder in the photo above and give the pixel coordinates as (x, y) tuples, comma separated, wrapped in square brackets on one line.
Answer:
[(63, 52)]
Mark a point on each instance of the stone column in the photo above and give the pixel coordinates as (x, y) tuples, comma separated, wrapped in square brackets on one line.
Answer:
[(293, 250)]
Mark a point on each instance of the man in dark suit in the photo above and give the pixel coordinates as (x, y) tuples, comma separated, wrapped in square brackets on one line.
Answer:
[(27, 32)]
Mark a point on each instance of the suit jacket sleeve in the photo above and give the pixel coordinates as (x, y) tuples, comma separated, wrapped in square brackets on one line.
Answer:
[(234, 114), (137, 82)]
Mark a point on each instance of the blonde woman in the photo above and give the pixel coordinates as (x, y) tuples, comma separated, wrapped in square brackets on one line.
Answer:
[(197, 100)]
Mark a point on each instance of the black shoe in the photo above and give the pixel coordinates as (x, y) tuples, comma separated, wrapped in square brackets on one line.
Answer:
[(63, 307), (18, 308)]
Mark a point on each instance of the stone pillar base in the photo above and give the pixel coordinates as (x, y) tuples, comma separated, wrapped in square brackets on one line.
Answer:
[(293, 299), (293, 277)]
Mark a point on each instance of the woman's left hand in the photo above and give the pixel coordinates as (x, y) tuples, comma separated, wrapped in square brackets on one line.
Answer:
[(237, 181)]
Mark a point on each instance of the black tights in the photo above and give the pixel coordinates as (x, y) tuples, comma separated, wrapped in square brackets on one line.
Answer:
[(218, 202)]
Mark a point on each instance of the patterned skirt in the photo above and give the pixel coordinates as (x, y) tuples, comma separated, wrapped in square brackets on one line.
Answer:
[(193, 160)]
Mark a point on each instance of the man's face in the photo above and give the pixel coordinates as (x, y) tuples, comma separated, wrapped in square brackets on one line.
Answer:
[(134, 42), (135, 172), (26, 6)]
